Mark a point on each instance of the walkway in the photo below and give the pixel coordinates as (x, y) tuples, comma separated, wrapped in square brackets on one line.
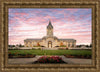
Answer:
[(31, 60)]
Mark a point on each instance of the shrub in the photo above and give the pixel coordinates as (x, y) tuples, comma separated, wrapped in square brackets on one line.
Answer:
[(50, 59), (42, 46), (77, 56), (36, 46), (33, 48), (39, 48), (21, 55), (61, 48), (66, 48), (56, 46), (62, 45)]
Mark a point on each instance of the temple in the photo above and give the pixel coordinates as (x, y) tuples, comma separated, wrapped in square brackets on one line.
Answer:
[(50, 41)]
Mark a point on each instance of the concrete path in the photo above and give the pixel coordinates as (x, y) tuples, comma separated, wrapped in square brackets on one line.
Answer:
[(77, 60), (22, 60), (31, 60)]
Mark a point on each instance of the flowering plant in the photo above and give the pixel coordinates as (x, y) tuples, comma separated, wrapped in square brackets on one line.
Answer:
[(78, 56), (50, 59), (18, 55)]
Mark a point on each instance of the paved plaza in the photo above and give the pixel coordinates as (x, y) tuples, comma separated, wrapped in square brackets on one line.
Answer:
[(31, 60)]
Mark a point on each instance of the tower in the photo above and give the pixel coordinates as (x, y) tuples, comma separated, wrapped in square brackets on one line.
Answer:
[(49, 29)]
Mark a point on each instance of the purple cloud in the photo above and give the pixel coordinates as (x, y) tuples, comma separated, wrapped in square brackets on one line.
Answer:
[(67, 22)]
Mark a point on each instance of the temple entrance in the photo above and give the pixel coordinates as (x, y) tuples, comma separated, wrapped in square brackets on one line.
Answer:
[(49, 44)]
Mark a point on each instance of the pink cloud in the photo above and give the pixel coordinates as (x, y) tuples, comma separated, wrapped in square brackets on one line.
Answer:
[(11, 21), (35, 27)]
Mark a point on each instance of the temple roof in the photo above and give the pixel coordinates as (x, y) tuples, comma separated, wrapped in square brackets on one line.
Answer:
[(32, 39), (50, 25), (67, 39), (50, 36)]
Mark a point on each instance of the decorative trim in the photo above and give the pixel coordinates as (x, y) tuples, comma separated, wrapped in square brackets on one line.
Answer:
[(45, 4)]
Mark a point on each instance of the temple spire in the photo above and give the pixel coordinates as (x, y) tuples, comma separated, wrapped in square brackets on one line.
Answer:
[(49, 21), (49, 25), (49, 29)]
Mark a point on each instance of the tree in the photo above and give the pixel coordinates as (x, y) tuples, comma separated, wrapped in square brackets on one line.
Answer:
[(9, 45), (13, 45), (87, 46), (90, 45), (20, 45)]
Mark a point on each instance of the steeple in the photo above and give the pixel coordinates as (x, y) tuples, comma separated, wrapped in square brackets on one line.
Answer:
[(49, 25), (49, 29)]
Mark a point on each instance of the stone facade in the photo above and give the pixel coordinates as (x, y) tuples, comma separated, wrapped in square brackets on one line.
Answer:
[(50, 41)]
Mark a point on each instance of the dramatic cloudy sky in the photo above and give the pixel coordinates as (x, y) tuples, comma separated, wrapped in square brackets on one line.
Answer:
[(73, 23)]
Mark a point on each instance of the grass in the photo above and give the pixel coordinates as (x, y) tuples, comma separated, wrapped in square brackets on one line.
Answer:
[(52, 52)]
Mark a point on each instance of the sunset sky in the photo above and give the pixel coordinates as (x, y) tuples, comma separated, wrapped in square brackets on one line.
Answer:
[(74, 23)]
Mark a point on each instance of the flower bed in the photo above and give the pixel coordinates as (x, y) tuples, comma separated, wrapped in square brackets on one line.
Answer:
[(16, 55), (50, 59), (78, 56)]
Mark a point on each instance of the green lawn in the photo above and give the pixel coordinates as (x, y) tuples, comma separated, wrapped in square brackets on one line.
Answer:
[(52, 52)]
